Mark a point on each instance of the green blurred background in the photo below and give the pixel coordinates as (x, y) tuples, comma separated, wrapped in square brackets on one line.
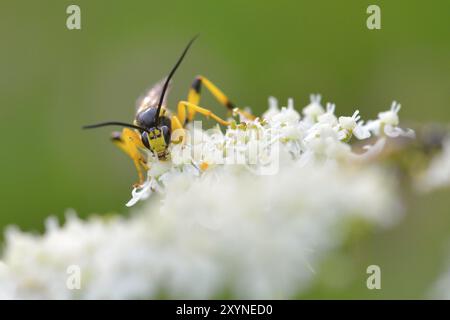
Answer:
[(53, 80)]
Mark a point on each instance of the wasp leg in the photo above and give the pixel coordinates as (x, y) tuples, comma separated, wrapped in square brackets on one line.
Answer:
[(178, 133), (194, 97), (193, 108), (130, 142)]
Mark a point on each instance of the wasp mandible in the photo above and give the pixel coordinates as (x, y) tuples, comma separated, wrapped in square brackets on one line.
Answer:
[(154, 123)]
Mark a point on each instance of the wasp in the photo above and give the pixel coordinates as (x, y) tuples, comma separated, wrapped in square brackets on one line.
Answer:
[(154, 123)]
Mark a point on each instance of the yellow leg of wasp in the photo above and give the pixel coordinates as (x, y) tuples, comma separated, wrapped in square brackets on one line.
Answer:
[(193, 108), (176, 124), (129, 142), (178, 133), (194, 97)]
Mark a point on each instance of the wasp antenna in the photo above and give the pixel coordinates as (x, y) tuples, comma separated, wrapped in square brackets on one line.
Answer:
[(172, 72), (114, 123)]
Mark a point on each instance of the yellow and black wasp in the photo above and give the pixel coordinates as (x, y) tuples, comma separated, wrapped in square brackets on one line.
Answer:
[(154, 124)]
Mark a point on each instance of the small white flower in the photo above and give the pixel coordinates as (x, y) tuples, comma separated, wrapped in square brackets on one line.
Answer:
[(323, 142), (390, 117), (157, 169), (143, 192), (387, 123), (314, 109), (352, 126), (287, 115), (395, 132), (349, 123), (329, 117), (273, 108)]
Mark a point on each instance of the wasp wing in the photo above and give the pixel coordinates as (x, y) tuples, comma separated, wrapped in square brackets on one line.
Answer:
[(151, 98)]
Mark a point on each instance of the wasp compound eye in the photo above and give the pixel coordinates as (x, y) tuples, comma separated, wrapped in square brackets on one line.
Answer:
[(147, 118), (144, 138), (166, 134)]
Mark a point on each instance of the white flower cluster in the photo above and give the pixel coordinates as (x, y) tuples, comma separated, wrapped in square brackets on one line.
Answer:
[(319, 136), (217, 230)]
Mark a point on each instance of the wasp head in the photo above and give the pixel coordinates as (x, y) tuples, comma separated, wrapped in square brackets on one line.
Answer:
[(157, 139), (156, 136)]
